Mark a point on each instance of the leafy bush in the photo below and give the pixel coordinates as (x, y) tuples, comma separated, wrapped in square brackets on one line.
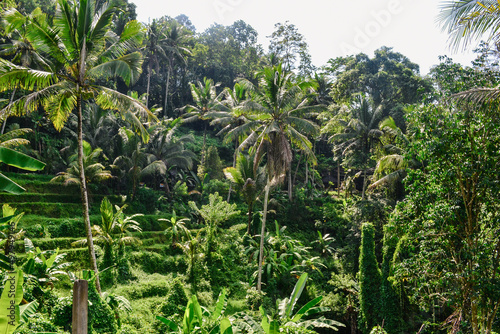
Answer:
[(101, 316), (62, 313), (152, 262), (159, 288), (175, 299), (38, 323), (219, 186)]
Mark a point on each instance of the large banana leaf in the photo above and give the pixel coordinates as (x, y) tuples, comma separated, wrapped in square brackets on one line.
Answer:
[(19, 160), (9, 302)]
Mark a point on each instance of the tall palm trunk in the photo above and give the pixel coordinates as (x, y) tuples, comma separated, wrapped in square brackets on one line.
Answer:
[(364, 186), (147, 88), (338, 178), (290, 187), (262, 236), (84, 192), (250, 214), (204, 149), (235, 156), (166, 87), (307, 173), (5, 120)]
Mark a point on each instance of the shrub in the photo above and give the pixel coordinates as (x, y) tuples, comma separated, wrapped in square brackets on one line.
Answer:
[(38, 323), (101, 316), (173, 304), (370, 281), (147, 289)]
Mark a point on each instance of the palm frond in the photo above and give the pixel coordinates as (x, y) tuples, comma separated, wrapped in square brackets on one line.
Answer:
[(467, 21), (128, 108), (14, 76)]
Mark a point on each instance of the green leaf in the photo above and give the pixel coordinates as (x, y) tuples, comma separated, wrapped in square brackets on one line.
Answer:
[(27, 310), (219, 306), (9, 302), (10, 186), (20, 160), (297, 291), (172, 325), (306, 308), (225, 326)]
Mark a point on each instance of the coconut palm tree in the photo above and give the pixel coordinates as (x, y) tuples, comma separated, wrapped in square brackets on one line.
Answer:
[(94, 170), (174, 43), (166, 151), (234, 118), (360, 134), (18, 46), (391, 166), (249, 181), (274, 126), (83, 51), (133, 158), (470, 20), (154, 52), (206, 101)]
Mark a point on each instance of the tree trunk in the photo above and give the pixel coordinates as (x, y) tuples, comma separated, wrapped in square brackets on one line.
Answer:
[(166, 87), (250, 214), (290, 190), (84, 193), (338, 178), (147, 88), (262, 236), (364, 186), (235, 156), (204, 149), (5, 120), (307, 173)]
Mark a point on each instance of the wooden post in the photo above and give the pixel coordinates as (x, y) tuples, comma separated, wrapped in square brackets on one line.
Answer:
[(80, 306)]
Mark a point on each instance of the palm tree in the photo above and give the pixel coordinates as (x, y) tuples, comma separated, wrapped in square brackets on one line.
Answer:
[(176, 226), (95, 171), (113, 231), (359, 134), (469, 20), (391, 166), (166, 151), (249, 181), (275, 126), (175, 44), (154, 52), (83, 50), (206, 101), (234, 118), (132, 159), (18, 46)]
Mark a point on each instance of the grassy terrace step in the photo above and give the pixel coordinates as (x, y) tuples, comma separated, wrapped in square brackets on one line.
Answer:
[(53, 210), (78, 256), (46, 244), (37, 197), (95, 200), (39, 226)]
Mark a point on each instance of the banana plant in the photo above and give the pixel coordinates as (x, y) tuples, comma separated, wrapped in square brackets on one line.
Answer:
[(198, 319), (43, 267), (13, 315), (8, 226), (19, 160), (304, 318)]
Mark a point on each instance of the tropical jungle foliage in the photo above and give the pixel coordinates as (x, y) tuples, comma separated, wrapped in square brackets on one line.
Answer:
[(199, 181)]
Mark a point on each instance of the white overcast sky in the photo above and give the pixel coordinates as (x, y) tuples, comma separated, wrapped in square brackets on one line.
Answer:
[(331, 28)]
